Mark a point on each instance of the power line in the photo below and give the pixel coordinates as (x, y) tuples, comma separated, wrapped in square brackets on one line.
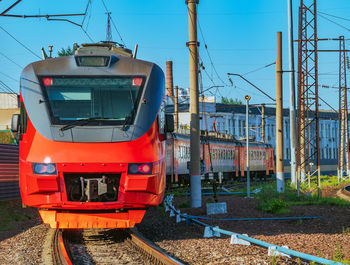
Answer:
[(206, 48), (334, 22), (260, 68), (11, 60), (86, 11), (333, 16), (87, 34), (7, 89), (20, 43), (115, 27), (10, 77)]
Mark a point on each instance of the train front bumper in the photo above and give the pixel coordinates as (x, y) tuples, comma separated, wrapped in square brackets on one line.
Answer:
[(92, 186)]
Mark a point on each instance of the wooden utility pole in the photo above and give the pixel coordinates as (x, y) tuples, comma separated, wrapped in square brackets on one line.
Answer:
[(279, 116), (196, 196)]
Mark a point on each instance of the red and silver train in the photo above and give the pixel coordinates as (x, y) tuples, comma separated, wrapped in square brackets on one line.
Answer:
[(219, 157), (92, 138)]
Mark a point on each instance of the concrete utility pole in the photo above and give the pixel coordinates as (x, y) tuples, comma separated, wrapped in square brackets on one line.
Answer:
[(263, 123), (247, 98), (176, 108), (292, 119), (196, 196), (279, 116)]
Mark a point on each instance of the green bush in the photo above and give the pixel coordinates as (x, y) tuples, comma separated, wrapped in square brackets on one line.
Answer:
[(6, 137), (274, 205)]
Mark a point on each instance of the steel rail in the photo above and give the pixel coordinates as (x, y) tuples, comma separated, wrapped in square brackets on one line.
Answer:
[(59, 252), (150, 250)]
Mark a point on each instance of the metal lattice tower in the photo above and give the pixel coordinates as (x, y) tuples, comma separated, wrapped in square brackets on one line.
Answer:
[(108, 31), (308, 159), (343, 147)]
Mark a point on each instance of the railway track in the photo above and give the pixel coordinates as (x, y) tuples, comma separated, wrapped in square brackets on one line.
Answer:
[(101, 246)]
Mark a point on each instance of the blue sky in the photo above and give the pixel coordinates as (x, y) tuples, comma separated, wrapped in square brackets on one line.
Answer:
[(240, 36)]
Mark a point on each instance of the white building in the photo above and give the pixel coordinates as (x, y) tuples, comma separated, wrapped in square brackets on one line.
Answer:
[(231, 119), (8, 106)]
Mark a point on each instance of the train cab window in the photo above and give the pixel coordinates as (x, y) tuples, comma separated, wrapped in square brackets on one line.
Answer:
[(23, 120), (111, 100)]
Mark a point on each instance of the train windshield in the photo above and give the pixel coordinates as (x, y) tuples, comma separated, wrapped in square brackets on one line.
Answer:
[(101, 100)]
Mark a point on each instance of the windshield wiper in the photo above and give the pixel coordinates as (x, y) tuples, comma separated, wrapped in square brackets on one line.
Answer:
[(126, 121), (82, 122)]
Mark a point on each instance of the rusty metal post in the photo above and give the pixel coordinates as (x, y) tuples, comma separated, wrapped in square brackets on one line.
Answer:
[(302, 131), (279, 117), (169, 79), (263, 123), (176, 108), (196, 197), (308, 67)]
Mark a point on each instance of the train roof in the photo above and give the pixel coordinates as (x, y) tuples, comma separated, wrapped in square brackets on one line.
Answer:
[(223, 140)]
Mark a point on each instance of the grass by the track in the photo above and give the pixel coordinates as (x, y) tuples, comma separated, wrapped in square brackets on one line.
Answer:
[(269, 200), (10, 212)]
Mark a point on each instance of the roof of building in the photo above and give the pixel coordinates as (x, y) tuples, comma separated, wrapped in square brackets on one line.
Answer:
[(253, 110)]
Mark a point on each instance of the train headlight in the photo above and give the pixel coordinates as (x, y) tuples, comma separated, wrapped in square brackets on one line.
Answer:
[(44, 169), (140, 168)]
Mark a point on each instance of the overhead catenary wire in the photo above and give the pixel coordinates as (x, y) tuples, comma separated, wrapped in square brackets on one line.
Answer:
[(24, 46), (5, 88), (86, 11), (10, 77), (260, 68), (333, 16), (336, 23), (11, 60), (209, 56), (87, 34)]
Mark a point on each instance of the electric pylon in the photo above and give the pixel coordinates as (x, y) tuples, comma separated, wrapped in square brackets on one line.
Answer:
[(308, 159), (343, 146), (108, 31)]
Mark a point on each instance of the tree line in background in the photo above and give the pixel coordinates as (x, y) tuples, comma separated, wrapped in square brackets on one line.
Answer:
[(226, 100)]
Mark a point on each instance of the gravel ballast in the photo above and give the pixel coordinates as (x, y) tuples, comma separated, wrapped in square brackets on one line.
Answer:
[(327, 237)]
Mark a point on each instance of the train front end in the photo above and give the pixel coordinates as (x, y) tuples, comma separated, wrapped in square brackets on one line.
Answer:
[(92, 149)]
